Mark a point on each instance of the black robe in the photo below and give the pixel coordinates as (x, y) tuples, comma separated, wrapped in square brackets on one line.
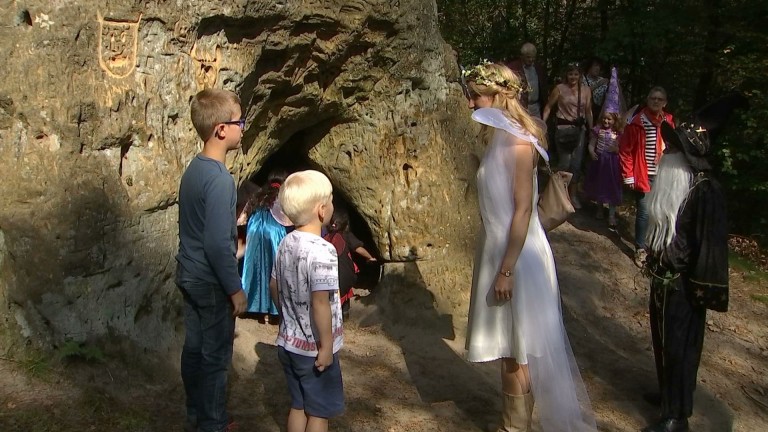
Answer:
[(699, 250), (690, 276)]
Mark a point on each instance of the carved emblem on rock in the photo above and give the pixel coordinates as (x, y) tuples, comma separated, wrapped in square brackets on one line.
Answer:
[(181, 30), (118, 45), (207, 65)]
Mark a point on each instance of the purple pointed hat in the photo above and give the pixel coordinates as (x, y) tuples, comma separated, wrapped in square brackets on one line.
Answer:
[(612, 102)]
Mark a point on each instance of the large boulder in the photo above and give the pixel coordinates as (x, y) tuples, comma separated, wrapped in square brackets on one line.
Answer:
[(95, 134)]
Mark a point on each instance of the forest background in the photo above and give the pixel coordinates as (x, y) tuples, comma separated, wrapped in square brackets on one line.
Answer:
[(696, 50)]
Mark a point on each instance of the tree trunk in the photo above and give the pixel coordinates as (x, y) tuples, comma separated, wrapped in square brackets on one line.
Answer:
[(524, 14), (603, 6), (568, 19), (545, 35), (708, 57)]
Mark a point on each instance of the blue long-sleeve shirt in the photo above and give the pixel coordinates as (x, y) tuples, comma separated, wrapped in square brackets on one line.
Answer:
[(207, 228)]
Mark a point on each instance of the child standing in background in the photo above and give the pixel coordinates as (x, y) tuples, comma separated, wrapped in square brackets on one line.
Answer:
[(266, 227), (603, 182), (345, 243), (243, 211)]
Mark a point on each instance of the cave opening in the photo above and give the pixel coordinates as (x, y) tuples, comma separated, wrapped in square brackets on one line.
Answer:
[(293, 156)]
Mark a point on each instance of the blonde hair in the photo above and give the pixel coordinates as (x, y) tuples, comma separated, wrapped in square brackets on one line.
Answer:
[(618, 120), (211, 107), (301, 193), (504, 87)]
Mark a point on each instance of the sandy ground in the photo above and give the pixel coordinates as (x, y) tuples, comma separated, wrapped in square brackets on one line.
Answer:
[(405, 376)]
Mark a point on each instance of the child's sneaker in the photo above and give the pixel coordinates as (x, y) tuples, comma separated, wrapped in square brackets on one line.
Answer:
[(191, 426), (640, 256)]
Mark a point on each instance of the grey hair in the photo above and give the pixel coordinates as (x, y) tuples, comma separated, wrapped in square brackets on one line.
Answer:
[(658, 89), (528, 48), (667, 199)]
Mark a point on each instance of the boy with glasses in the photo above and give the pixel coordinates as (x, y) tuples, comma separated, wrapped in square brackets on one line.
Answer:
[(207, 273)]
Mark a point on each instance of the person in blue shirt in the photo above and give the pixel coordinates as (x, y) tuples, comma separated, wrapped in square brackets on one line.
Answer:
[(206, 272)]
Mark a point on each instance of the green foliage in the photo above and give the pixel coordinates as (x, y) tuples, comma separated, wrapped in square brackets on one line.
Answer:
[(697, 50), (37, 365), (77, 350), (762, 298), (749, 270), (94, 410)]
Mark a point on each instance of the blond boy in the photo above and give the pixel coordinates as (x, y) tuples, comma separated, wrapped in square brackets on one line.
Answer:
[(207, 273), (305, 287)]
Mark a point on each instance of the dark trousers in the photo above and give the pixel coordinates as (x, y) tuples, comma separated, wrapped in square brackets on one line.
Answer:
[(677, 330), (207, 354)]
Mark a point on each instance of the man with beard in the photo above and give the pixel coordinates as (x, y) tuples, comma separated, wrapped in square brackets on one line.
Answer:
[(688, 259)]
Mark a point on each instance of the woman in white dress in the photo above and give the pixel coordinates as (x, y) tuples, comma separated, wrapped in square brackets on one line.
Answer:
[(515, 310)]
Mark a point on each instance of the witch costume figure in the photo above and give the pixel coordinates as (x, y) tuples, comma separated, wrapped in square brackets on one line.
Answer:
[(688, 261), (515, 312)]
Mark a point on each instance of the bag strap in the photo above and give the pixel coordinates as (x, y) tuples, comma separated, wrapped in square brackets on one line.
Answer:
[(544, 156), (578, 101)]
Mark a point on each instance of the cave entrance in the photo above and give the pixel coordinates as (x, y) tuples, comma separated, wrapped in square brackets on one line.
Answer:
[(294, 156)]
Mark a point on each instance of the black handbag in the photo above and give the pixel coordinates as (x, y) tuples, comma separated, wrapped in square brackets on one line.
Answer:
[(569, 138)]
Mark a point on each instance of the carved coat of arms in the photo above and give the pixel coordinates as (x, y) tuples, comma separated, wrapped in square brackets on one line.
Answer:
[(118, 45)]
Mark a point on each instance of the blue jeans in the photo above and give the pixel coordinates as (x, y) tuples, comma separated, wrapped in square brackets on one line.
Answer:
[(207, 353), (641, 217)]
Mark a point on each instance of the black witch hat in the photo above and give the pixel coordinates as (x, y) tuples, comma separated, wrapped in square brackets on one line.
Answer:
[(693, 137)]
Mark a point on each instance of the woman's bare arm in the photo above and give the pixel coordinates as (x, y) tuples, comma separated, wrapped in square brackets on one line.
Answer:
[(553, 96), (522, 196)]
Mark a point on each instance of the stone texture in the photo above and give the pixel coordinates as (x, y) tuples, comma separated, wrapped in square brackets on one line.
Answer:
[(95, 133)]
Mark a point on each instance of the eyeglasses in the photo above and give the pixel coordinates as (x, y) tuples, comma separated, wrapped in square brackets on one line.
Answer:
[(240, 123)]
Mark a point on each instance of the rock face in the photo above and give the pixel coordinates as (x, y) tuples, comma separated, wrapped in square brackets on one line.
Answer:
[(95, 134)]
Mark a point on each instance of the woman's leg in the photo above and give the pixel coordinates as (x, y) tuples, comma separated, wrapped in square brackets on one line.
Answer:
[(515, 379), (517, 398)]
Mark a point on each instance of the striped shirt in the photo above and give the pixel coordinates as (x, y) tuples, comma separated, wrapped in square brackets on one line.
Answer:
[(650, 144)]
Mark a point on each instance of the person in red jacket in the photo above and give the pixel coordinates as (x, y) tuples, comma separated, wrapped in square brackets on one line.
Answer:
[(640, 149)]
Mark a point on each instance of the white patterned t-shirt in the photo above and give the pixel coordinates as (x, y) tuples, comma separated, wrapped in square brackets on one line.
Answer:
[(306, 263)]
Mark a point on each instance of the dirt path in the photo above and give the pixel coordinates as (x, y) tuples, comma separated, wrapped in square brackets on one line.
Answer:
[(403, 376)]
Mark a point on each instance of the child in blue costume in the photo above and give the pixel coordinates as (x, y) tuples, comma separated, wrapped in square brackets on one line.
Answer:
[(267, 226), (243, 211)]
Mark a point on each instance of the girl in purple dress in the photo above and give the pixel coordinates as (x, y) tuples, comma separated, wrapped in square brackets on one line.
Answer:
[(603, 182)]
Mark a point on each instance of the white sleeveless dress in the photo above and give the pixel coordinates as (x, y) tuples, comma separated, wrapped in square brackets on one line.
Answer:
[(529, 327)]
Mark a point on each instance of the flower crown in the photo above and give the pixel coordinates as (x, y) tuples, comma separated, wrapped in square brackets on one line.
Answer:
[(483, 75)]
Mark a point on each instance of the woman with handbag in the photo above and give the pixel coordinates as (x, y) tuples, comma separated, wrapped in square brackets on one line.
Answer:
[(515, 311), (574, 115)]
